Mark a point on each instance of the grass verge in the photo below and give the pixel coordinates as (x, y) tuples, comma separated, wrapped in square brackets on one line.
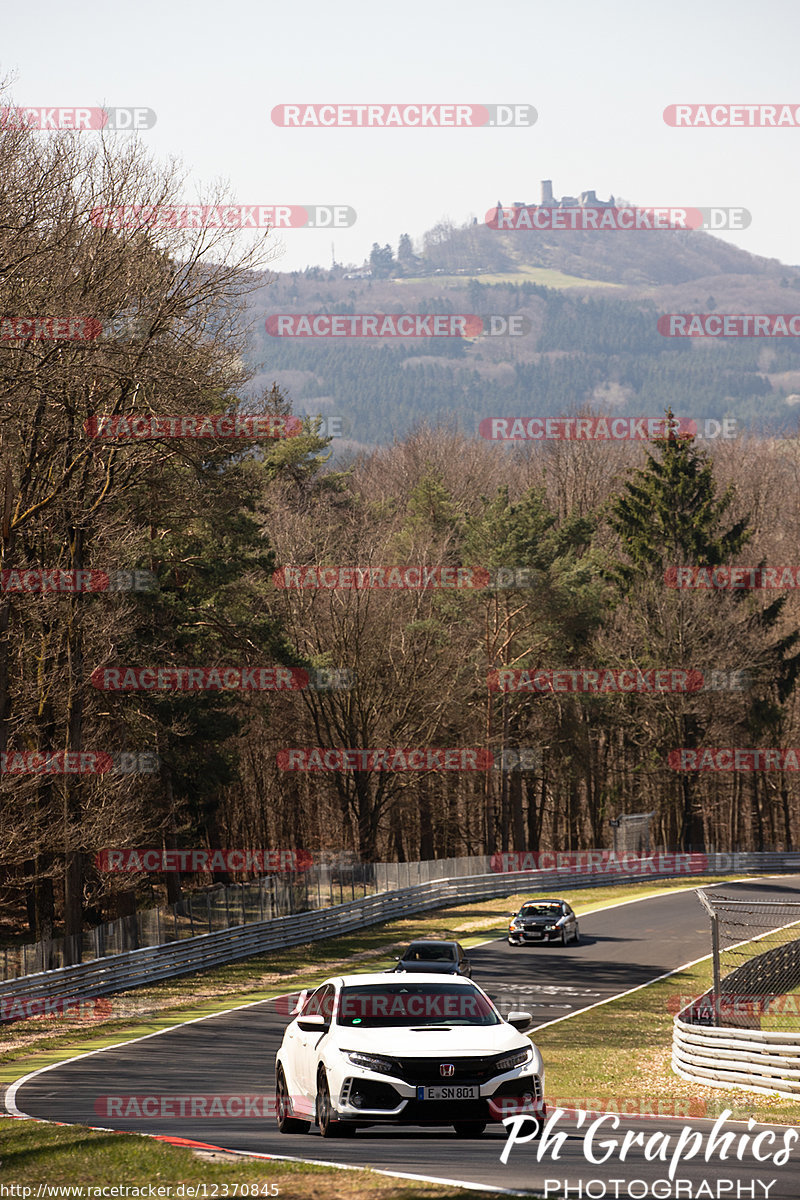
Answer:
[(32, 1152), (616, 1057)]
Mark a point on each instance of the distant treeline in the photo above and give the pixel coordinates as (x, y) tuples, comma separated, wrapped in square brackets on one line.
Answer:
[(598, 351)]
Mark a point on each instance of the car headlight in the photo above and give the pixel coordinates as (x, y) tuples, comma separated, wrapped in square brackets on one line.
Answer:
[(548, 927), (371, 1062), (517, 1059)]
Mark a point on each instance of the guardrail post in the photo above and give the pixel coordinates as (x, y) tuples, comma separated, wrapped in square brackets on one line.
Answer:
[(715, 960), (717, 989), (244, 911)]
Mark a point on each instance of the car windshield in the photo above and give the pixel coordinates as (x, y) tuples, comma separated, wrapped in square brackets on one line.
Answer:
[(540, 910), (422, 953), (372, 1006)]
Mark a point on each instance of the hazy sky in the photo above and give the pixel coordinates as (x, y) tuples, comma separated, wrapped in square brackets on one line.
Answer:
[(598, 74)]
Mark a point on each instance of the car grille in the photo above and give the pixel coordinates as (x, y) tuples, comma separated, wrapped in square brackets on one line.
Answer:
[(475, 1069), (443, 1112)]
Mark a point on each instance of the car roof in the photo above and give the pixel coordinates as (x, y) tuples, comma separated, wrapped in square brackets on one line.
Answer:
[(543, 900), (399, 980), (431, 942)]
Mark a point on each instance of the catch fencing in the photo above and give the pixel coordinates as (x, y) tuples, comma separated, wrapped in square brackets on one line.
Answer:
[(135, 968), (319, 886), (210, 911), (744, 1032)]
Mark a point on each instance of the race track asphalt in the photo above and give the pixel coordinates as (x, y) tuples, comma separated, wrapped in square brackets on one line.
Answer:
[(234, 1053)]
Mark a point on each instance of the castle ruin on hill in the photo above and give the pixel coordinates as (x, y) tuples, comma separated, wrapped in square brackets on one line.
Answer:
[(548, 200)]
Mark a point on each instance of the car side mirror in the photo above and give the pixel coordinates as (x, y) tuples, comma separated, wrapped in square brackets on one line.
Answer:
[(520, 1020), (301, 999), (314, 1023)]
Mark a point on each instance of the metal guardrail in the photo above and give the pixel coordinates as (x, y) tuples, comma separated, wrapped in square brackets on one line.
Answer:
[(739, 1054), (279, 894), (750, 1059), (152, 964)]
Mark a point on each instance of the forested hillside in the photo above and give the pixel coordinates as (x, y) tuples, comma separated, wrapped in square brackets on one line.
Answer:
[(595, 526), (583, 345)]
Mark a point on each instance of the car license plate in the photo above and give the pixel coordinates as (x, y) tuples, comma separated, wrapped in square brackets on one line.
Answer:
[(453, 1091)]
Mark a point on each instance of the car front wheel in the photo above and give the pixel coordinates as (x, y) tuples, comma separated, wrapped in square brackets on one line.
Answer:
[(577, 937), (329, 1127), (283, 1108), (564, 937)]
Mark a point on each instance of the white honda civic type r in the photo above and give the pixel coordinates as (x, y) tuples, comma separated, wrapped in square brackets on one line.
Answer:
[(424, 1049)]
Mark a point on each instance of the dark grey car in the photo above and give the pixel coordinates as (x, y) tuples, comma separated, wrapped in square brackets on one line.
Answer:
[(543, 921), (447, 957)]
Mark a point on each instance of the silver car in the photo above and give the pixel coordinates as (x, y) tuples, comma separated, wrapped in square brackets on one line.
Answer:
[(543, 921), (447, 957)]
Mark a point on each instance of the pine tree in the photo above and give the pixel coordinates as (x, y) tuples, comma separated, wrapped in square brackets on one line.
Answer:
[(669, 515)]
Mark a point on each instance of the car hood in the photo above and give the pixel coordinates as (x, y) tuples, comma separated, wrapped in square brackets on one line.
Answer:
[(435, 1042)]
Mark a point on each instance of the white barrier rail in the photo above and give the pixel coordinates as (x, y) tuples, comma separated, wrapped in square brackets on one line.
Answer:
[(748, 1059), (152, 964)]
